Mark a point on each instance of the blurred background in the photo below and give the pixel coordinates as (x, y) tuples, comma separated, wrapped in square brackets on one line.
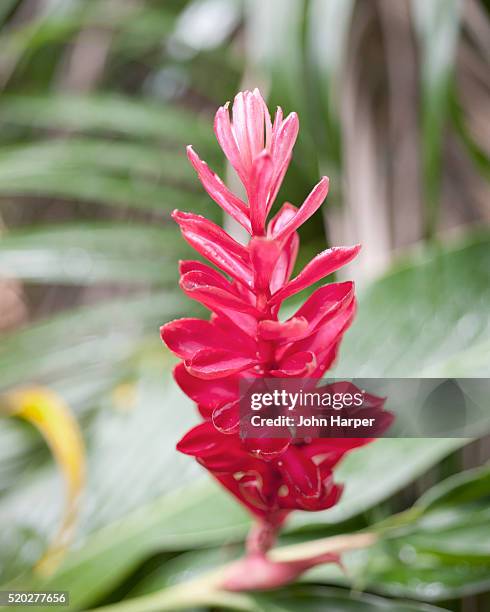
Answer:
[(98, 99)]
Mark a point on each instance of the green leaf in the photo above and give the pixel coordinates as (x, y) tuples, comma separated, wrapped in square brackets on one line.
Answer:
[(5, 9), (313, 599), (107, 113), (184, 567), (143, 31), (329, 24), (89, 253), (461, 488), (442, 554), (142, 159), (437, 26), (112, 172), (59, 24), (120, 547), (81, 185), (477, 154), (88, 339), (297, 597), (428, 317)]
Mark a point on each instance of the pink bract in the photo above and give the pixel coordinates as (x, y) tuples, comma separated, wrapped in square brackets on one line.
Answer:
[(244, 337)]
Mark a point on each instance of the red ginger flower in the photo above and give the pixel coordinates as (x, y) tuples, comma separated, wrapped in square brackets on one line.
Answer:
[(244, 337)]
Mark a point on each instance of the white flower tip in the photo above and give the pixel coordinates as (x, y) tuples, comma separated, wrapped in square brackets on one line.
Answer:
[(292, 118)]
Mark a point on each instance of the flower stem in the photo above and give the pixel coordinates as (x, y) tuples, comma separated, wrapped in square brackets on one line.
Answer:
[(261, 538)]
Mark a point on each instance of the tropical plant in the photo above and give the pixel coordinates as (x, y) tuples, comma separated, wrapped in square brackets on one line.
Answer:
[(98, 101)]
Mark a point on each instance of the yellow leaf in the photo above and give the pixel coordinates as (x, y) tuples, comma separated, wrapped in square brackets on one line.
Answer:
[(50, 414)]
